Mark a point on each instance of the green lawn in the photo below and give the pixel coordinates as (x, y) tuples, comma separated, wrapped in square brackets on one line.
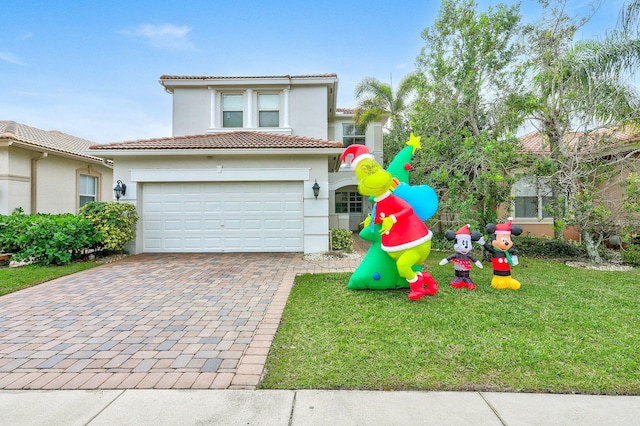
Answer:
[(14, 279), (567, 330)]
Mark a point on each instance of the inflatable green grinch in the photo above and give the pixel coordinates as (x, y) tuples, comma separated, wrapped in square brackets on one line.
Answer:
[(401, 242)]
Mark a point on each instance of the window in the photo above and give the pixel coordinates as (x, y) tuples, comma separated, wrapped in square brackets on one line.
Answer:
[(348, 202), (88, 189), (351, 134), (268, 110), (531, 197), (232, 110)]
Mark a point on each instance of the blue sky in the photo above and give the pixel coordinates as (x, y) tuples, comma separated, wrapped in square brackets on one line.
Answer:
[(91, 68)]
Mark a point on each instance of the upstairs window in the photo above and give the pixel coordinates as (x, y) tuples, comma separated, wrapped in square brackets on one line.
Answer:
[(268, 110), (232, 110), (351, 134), (88, 189), (348, 202)]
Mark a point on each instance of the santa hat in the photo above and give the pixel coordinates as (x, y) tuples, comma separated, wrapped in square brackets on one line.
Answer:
[(504, 228), (463, 232), (359, 152)]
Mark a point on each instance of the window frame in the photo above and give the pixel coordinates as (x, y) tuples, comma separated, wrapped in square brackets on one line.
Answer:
[(89, 173), (350, 137), (268, 109), (352, 204), (542, 198), (232, 110)]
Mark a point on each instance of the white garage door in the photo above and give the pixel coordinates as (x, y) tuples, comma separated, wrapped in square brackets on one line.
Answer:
[(222, 216)]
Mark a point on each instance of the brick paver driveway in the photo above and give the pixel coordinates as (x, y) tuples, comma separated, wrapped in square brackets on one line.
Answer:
[(151, 321)]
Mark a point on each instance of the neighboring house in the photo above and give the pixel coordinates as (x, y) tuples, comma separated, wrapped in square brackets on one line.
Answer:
[(531, 194), (48, 171), (238, 173)]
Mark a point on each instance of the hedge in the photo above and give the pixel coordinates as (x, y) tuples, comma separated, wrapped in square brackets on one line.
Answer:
[(47, 239)]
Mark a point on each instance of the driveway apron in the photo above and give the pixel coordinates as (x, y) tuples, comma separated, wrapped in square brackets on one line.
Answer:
[(154, 321)]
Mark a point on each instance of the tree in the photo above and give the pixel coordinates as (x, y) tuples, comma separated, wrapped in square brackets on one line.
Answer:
[(577, 86), (377, 100), (466, 109)]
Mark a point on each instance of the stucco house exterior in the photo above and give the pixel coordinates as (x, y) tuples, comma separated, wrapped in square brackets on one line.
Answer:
[(239, 172), (48, 171), (531, 194)]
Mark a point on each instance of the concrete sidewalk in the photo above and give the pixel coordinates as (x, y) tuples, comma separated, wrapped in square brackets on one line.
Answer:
[(311, 407)]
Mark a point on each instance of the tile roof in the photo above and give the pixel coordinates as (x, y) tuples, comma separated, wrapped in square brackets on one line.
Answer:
[(346, 110), (204, 77), (52, 140), (226, 140), (535, 143)]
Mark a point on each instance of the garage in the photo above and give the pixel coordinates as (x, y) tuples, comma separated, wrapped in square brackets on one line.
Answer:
[(264, 216)]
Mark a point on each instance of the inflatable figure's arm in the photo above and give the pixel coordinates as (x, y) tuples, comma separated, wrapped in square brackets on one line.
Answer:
[(447, 259), (475, 260), (401, 214), (488, 247), (365, 223), (387, 224), (514, 256)]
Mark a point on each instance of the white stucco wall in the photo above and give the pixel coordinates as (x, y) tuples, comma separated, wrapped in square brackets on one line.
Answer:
[(55, 181), (307, 109), (309, 112), (309, 168), (191, 111)]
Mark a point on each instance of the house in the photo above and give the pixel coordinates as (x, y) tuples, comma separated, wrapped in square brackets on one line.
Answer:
[(48, 171), (241, 171), (531, 194)]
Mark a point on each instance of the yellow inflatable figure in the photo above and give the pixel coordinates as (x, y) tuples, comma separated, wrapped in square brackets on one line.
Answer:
[(405, 237)]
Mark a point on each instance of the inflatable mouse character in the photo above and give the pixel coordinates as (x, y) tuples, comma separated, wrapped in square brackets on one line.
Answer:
[(404, 236), (462, 258), (503, 255)]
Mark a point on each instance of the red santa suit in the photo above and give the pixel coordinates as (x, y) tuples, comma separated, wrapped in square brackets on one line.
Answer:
[(408, 230)]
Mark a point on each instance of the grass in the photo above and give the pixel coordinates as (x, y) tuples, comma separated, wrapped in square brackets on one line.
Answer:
[(567, 330), (14, 279)]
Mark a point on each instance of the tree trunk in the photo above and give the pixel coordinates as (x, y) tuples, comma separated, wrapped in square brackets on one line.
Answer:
[(592, 247), (558, 217)]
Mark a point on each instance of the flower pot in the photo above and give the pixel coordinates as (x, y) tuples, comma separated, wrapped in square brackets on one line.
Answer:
[(5, 259)]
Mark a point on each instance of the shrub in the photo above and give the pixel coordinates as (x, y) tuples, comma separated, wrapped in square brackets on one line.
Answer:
[(341, 239), (114, 221), (548, 248), (10, 230), (46, 239), (631, 255)]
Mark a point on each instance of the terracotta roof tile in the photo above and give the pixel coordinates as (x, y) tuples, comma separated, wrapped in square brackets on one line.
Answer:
[(46, 139), (203, 77), (226, 140), (535, 143)]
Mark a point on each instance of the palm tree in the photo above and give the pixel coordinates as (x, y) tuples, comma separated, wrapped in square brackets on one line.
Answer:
[(630, 16), (377, 100)]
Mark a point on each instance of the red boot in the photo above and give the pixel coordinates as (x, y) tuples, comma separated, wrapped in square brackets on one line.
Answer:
[(417, 287), (432, 285)]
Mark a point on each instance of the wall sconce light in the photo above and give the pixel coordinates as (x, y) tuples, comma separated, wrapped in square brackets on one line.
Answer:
[(316, 189), (119, 190)]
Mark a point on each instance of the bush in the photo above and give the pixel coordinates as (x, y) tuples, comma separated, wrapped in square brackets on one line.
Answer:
[(114, 221), (631, 255), (46, 239), (341, 239), (10, 230), (548, 248)]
